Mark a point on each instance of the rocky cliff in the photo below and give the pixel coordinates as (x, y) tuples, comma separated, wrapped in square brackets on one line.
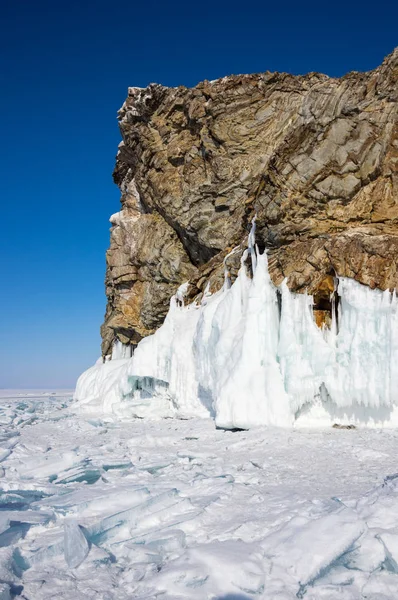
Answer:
[(315, 158)]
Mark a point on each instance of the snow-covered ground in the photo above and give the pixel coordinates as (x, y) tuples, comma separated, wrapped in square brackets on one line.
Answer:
[(179, 509)]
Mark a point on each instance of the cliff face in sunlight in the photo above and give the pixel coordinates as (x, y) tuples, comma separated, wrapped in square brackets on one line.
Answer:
[(315, 158)]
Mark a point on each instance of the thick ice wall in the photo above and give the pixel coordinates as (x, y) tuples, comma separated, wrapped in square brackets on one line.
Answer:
[(99, 389), (303, 351), (168, 356), (250, 384), (365, 366), (206, 335), (246, 359)]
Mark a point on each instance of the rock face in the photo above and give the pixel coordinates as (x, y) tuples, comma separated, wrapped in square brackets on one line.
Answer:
[(315, 158)]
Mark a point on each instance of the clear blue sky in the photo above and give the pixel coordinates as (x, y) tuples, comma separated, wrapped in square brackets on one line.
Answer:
[(65, 67)]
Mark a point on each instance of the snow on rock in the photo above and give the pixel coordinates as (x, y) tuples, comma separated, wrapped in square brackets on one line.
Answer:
[(245, 359)]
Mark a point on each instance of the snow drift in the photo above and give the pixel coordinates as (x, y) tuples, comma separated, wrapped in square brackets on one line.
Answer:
[(247, 358)]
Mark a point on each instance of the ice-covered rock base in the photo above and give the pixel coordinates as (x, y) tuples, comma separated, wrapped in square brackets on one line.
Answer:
[(177, 509), (253, 355)]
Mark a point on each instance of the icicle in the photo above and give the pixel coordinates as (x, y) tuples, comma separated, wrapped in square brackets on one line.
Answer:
[(227, 276), (206, 294), (251, 242), (181, 293), (243, 259), (121, 351)]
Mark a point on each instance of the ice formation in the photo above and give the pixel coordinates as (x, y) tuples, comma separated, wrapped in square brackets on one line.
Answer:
[(247, 359), (180, 510)]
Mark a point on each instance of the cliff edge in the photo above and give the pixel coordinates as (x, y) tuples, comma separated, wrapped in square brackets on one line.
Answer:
[(315, 158)]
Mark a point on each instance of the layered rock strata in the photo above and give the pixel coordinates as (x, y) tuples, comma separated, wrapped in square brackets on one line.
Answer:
[(315, 158)]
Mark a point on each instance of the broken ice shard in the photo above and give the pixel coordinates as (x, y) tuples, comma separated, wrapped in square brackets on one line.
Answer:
[(76, 546)]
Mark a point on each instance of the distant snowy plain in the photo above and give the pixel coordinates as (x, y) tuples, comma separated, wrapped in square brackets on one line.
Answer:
[(168, 509)]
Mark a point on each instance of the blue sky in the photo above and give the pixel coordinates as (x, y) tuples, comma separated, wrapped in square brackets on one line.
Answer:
[(64, 70)]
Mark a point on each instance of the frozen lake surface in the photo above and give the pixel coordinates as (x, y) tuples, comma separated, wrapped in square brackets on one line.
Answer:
[(178, 509)]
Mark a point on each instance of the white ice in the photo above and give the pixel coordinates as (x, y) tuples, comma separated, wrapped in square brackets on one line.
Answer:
[(76, 546), (247, 359), (177, 509)]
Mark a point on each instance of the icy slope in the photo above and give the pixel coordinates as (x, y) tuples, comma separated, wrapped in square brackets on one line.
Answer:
[(248, 359), (176, 509)]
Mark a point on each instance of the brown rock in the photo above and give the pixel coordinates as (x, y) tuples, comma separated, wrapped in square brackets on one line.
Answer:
[(315, 158)]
